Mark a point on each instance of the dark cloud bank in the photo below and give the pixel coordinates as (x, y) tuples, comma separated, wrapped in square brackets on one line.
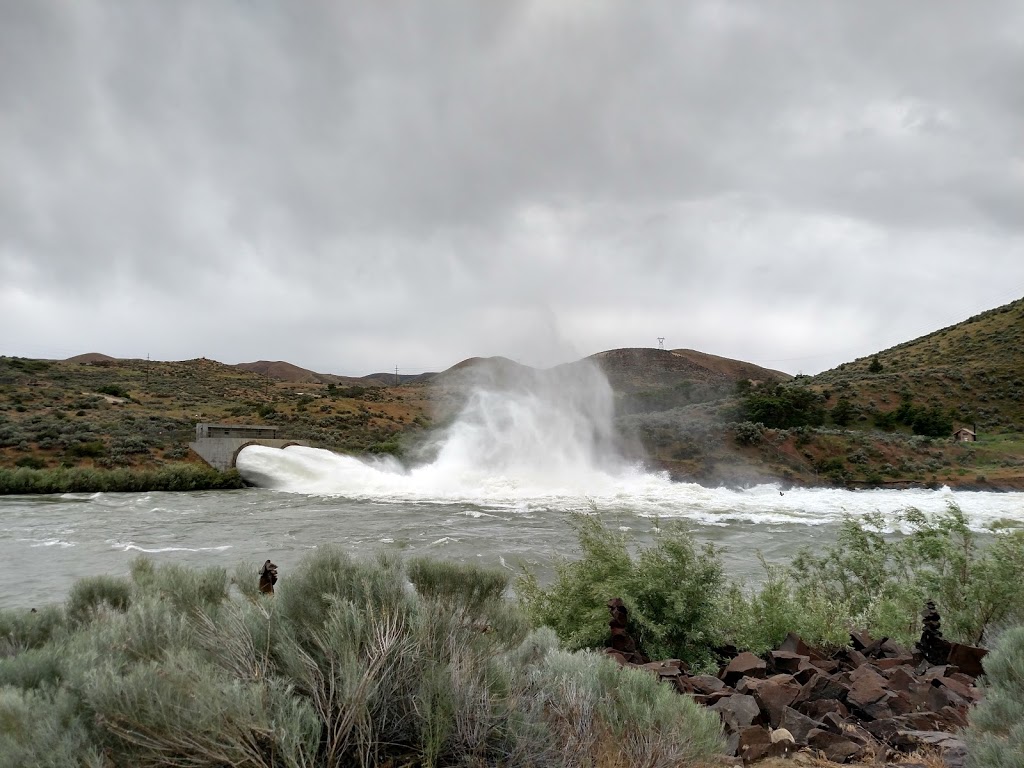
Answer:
[(351, 186)]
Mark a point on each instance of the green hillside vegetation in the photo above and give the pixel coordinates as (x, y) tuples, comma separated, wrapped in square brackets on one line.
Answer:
[(111, 414), (884, 419)]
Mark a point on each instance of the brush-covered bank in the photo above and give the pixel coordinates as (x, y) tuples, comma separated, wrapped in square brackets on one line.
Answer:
[(172, 477), (426, 662)]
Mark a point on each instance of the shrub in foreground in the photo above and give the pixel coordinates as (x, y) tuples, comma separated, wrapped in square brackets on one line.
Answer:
[(346, 665), (996, 734), (871, 578), (881, 581), (672, 589)]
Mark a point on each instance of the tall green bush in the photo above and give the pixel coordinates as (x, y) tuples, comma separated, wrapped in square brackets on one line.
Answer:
[(883, 581), (671, 589), (871, 578)]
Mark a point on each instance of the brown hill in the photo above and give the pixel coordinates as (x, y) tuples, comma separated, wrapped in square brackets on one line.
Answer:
[(494, 370), (388, 379), (734, 369), (91, 357), (280, 370), (636, 370), (283, 371)]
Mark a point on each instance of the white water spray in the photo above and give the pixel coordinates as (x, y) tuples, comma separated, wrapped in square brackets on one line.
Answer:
[(525, 440), (519, 434)]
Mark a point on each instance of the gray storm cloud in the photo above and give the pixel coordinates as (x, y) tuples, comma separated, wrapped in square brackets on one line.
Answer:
[(351, 186)]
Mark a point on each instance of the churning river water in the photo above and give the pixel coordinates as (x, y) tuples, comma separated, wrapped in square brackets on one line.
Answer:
[(497, 488), (47, 542)]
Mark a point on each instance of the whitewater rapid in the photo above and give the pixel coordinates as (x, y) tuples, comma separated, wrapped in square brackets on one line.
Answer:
[(527, 442), (632, 491)]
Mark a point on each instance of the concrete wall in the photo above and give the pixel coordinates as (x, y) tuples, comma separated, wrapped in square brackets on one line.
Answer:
[(252, 431), (221, 452)]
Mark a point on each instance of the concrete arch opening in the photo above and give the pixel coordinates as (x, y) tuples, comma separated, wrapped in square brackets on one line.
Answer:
[(221, 451)]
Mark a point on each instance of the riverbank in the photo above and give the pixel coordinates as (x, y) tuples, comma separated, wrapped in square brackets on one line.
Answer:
[(172, 477), (195, 477)]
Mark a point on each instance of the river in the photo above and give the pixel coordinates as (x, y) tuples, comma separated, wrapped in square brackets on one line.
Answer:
[(496, 486), (46, 542)]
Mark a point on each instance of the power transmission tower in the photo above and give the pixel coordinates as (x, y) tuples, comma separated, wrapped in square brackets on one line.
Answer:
[(661, 342)]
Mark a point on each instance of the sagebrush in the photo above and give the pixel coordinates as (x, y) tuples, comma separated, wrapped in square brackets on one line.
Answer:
[(348, 664)]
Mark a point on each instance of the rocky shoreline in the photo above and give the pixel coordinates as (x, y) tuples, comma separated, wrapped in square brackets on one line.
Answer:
[(858, 703)]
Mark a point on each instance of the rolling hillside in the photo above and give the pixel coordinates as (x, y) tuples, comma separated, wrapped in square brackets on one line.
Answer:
[(974, 370), (691, 411), (887, 419)]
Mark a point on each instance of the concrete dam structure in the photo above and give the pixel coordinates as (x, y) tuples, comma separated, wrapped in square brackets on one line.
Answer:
[(219, 444)]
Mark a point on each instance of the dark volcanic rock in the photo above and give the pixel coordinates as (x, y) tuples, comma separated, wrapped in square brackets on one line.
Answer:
[(794, 644), (818, 709), (745, 664), (931, 645), (798, 724), (968, 658), (774, 695), (737, 710), (867, 689), (845, 707), (836, 748), (754, 744), (621, 641), (706, 683), (821, 686), (785, 661)]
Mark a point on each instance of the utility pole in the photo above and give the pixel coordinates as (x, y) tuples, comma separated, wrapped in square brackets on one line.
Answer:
[(396, 375), (147, 371), (661, 342)]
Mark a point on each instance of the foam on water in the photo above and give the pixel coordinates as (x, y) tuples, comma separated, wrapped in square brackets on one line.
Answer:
[(132, 547), (548, 441)]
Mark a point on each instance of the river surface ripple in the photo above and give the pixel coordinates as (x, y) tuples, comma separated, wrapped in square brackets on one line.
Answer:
[(47, 542)]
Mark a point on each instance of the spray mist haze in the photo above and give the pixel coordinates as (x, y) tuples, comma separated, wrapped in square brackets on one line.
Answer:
[(512, 432)]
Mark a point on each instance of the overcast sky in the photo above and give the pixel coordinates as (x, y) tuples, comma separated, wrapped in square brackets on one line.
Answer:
[(354, 186)]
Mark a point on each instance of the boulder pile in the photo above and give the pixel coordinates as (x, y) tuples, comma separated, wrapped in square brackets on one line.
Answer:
[(849, 705)]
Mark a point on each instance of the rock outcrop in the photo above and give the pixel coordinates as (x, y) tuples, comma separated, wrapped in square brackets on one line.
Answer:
[(853, 704)]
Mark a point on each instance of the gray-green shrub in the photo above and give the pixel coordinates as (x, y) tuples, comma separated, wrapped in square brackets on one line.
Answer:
[(91, 594), (871, 579), (345, 665), (21, 630), (995, 738), (44, 729)]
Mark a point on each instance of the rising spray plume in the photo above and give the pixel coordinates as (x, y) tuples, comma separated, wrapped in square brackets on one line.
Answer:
[(516, 432)]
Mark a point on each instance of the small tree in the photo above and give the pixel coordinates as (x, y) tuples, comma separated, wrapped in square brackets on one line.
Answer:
[(842, 414), (876, 365)]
